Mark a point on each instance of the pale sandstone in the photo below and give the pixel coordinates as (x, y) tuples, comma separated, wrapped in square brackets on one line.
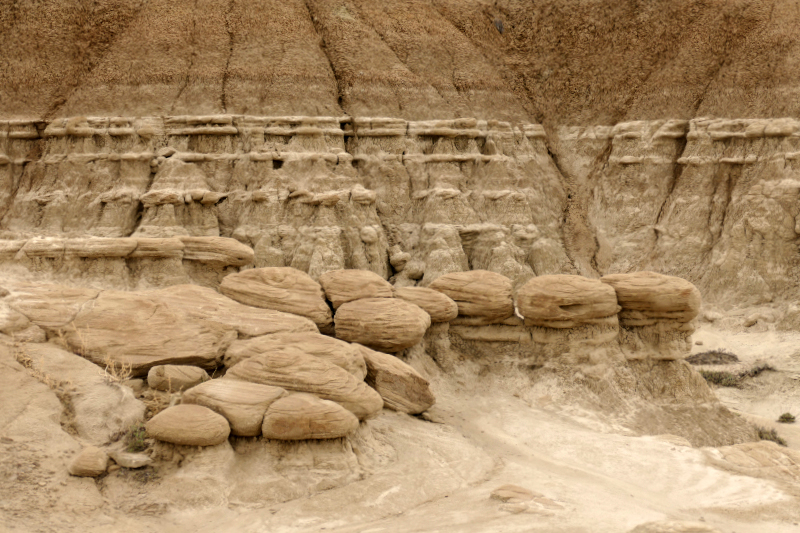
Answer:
[(387, 324), (242, 403), (175, 378), (478, 293), (189, 425), (647, 296), (674, 526), (90, 462), (439, 306), (282, 289), (340, 353), (342, 286), (217, 250), (401, 387), (130, 459), (564, 301), (304, 416), (50, 306), (294, 370)]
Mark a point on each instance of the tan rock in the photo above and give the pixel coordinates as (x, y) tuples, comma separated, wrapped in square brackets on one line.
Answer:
[(342, 286), (189, 425), (387, 324), (90, 462), (217, 250), (565, 301), (340, 353), (130, 459), (478, 293), (175, 378), (291, 368), (400, 386), (50, 306), (282, 289), (648, 296), (242, 403), (441, 307), (304, 416), (96, 248), (674, 526), (512, 493)]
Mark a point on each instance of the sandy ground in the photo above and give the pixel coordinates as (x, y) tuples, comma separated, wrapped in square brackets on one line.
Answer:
[(586, 477)]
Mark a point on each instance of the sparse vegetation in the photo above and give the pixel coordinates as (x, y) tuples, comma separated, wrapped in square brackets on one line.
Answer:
[(786, 418), (770, 434), (135, 438), (729, 379), (713, 357)]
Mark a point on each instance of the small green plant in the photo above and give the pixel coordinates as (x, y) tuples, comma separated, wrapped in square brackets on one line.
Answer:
[(135, 438), (770, 434), (756, 370), (786, 418), (723, 379)]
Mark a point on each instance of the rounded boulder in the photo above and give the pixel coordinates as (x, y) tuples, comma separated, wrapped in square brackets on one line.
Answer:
[(342, 286), (478, 293), (385, 324), (441, 307), (646, 297), (304, 416), (565, 301), (189, 425)]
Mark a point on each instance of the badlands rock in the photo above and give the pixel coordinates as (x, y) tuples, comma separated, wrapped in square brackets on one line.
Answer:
[(646, 297), (175, 378), (242, 403), (342, 286), (674, 526), (292, 369), (50, 306), (340, 353), (217, 250), (400, 386), (189, 425), (130, 459), (282, 289), (440, 307), (478, 293), (304, 416), (564, 301), (90, 462), (388, 324)]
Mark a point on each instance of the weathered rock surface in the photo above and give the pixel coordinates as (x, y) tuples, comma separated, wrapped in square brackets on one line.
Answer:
[(282, 289), (189, 425), (50, 306), (292, 369), (564, 301), (340, 353), (342, 286), (648, 296), (90, 462), (130, 459), (439, 306), (388, 324), (401, 387), (478, 293), (242, 403), (304, 416), (674, 526), (175, 378)]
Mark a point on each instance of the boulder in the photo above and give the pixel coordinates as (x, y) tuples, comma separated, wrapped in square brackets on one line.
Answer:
[(189, 425), (400, 386), (242, 403), (646, 297), (220, 250), (441, 307), (565, 301), (340, 353), (282, 289), (291, 368), (478, 293), (304, 416), (50, 306), (342, 286), (90, 462), (175, 378), (386, 324)]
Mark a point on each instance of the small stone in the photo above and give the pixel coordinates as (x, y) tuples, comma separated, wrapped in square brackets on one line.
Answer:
[(136, 385), (698, 343), (513, 494), (175, 378), (130, 459), (90, 462), (189, 425)]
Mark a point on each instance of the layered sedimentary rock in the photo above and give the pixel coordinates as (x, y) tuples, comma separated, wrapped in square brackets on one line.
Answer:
[(481, 295), (388, 324), (189, 425), (401, 387), (175, 378), (304, 416), (564, 301), (342, 286), (440, 307)]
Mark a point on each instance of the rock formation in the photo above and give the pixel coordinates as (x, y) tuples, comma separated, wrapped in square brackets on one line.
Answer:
[(305, 416), (189, 425), (388, 324)]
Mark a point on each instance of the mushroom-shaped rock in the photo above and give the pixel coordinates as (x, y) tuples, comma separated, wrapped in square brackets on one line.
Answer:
[(342, 286), (565, 301), (90, 462), (190, 425), (386, 324), (340, 353), (304, 416), (242, 403), (400, 386), (478, 293), (175, 378), (646, 297), (282, 289), (291, 368), (442, 308)]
